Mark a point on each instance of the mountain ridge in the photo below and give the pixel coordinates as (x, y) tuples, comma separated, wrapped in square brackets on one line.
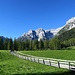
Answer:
[(40, 33), (68, 26), (67, 35)]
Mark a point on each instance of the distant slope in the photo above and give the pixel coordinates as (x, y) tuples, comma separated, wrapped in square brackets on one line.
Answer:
[(2, 37), (67, 35), (36, 35), (39, 34)]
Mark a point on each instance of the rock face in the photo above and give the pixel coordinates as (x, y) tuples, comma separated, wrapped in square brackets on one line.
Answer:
[(69, 25), (47, 34), (38, 34)]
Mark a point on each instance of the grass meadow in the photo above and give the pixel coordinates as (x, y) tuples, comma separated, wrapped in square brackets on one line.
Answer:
[(12, 65), (58, 54)]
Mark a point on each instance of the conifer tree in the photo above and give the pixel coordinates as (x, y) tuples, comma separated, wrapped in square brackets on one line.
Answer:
[(55, 44), (6, 43), (41, 44), (15, 44), (1, 43), (35, 45), (46, 44), (10, 44)]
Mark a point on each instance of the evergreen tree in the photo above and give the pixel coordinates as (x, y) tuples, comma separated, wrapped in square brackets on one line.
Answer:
[(55, 44), (41, 44), (27, 44), (23, 45), (10, 44), (35, 45), (19, 45), (71, 42), (1, 43), (15, 44), (30, 44), (46, 44), (6, 43)]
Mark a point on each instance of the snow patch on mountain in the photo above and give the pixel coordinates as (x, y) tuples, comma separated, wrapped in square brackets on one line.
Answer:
[(55, 31), (48, 34), (70, 24), (72, 20), (40, 34)]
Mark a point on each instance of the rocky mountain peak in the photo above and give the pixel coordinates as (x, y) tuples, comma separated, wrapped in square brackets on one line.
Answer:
[(70, 24), (39, 30), (48, 34), (37, 34), (72, 20)]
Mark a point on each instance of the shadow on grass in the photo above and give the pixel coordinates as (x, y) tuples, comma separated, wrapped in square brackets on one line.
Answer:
[(64, 73)]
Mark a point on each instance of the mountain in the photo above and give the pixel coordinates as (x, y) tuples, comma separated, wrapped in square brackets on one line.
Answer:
[(39, 34), (68, 26), (67, 35), (2, 37), (48, 34)]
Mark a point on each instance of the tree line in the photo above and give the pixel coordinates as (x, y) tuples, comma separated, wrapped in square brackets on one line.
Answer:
[(53, 44)]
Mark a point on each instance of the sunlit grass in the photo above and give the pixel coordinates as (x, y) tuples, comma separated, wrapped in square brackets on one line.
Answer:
[(11, 65), (58, 54)]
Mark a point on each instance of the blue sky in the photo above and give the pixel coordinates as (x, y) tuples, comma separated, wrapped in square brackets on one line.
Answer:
[(19, 16)]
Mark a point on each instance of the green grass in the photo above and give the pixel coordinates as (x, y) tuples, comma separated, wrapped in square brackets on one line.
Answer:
[(58, 54), (71, 48), (11, 65)]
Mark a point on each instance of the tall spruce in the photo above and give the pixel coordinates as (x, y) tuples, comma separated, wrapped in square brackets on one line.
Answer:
[(35, 45), (19, 45), (27, 44), (46, 44), (30, 44), (41, 44), (55, 44), (15, 44), (1, 43), (10, 44), (6, 41)]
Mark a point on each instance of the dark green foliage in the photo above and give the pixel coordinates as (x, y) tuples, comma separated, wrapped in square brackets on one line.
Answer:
[(15, 44), (62, 30), (41, 44), (30, 44), (67, 38), (61, 41), (6, 44), (1, 43), (27, 44), (10, 44), (46, 44), (19, 45), (67, 35), (23, 46), (70, 42), (55, 44), (35, 44)]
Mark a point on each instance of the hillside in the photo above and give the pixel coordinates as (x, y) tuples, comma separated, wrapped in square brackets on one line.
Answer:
[(67, 35), (70, 24)]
